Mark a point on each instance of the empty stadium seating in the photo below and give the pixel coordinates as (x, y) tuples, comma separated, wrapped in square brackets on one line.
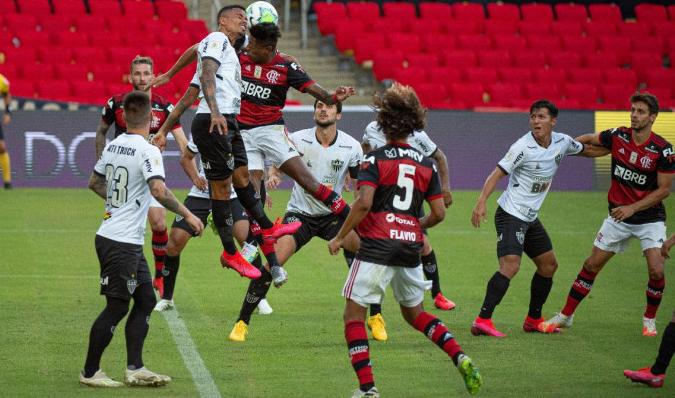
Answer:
[(504, 54), (80, 50)]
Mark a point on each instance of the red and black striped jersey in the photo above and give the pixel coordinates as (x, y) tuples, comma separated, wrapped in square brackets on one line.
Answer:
[(635, 169), (112, 113), (403, 178), (264, 88)]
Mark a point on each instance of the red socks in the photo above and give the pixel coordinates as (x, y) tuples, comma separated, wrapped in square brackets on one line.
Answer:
[(357, 342)]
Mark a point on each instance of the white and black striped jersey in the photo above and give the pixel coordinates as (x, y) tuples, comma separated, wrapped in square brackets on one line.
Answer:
[(328, 165), (128, 162)]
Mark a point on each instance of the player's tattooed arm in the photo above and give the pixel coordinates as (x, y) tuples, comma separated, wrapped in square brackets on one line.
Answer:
[(208, 83), (101, 131), (164, 196), (188, 57), (183, 104), (341, 93), (98, 185)]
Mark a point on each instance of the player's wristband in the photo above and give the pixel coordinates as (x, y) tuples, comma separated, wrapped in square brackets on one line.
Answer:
[(335, 98)]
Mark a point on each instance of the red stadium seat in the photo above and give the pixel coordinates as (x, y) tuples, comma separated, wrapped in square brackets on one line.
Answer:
[(433, 42), (652, 44), (117, 88), (543, 43), (650, 13), (529, 59), (470, 94), (620, 76), (54, 90), (35, 7), (537, 12), (159, 27), (71, 72), (564, 59), (500, 27), (474, 42), (671, 12), (550, 75), (642, 62), (171, 10), (328, 16), (585, 75), (92, 24), (196, 28), (28, 39), (571, 104), (468, 12), (480, 75), (37, 72), (367, 11), (431, 94), (664, 77), (56, 23), (663, 94), (10, 71), (459, 59), (72, 8), (599, 60), (605, 12), (426, 60), (20, 22), (18, 56), (494, 59), (616, 94), (585, 93), (549, 90), (347, 33), (411, 75), (571, 12), (503, 12), (502, 94), (513, 43), (399, 10), (567, 28), (424, 27), (664, 29), (367, 46), (634, 29), (89, 92), (619, 46), (460, 27), (601, 28), (122, 55), (443, 74), (580, 44), (436, 11), (88, 55), (534, 28), (106, 8), (392, 25), (72, 39), (140, 9), (515, 75), (386, 62), (23, 88), (8, 7), (403, 42), (55, 55)]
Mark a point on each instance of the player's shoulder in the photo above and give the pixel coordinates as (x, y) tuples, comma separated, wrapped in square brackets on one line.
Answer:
[(347, 140), (373, 127), (660, 140), (116, 100), (287, 59), (161, 101), (560, 138), (307, 134)]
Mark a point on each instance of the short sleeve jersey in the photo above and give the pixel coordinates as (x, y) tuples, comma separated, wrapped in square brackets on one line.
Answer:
[(329, 165), (264, 89), (113, 113), (635, 169), (403, 178), (217, 47), (374, 136), (4, 85), (531, 168), (128, 162)]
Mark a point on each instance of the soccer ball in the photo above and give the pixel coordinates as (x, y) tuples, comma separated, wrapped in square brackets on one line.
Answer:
[(261, 12)]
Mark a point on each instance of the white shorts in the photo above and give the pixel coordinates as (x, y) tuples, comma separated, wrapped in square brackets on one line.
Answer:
[(367, 282), (269, 143), (154, 202), (614, 236)]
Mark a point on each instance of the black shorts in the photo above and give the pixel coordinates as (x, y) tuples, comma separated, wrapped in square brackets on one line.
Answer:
[(200, 207), (325, 227), (515, 236), (238, 211), (220, 154), (123, 267)]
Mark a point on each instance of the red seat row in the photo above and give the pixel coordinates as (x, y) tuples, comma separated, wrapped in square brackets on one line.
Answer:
[(106, 8)]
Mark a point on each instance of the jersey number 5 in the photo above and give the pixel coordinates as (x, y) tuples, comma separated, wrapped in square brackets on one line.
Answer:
[(117, 180), (405, 181)]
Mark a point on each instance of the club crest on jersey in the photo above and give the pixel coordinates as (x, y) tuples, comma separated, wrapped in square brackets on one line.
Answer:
[(257, 72), (131, 285), (520, 235), (633, 157), (390, 153), (336, 165), (646, 162), (558, 158), (273, 76)]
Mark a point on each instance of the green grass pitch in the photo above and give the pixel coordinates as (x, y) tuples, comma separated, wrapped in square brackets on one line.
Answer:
[(49, 299)]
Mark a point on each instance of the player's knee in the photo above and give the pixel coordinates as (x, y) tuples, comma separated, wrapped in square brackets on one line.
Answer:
[(116, 309), (656, 274), (145, 299), (590, 264)]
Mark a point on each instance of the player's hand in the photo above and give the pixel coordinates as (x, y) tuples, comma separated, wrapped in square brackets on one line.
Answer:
[(342, 93), (195, 223), (479, 214), (334, 246), (159, 140), (201, 183), (6, 118), (273, 181), (447, 198), (347, 186), (664, 251), (268, 201), (158, 81), (621, 213), (218, 124)]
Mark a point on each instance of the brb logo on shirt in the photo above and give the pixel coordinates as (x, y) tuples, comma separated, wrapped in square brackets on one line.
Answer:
[(629, 175), (255, 90)]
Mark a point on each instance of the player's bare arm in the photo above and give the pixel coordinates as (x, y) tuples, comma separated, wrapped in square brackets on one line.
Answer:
[(444, 175), (365, 146), (101, 131), (436, 214), (187, 162), (98, 185), (188, 57), (183, 104), (663, 180), (207, 80), (670, 242), (480, 211), (592, 146), (340, 94), (164, 196), (360, 209)]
